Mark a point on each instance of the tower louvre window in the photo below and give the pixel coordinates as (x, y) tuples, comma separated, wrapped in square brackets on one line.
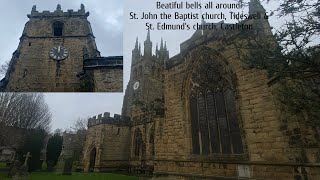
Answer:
[(57, 28)]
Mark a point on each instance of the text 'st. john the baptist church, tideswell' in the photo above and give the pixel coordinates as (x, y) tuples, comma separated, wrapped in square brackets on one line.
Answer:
[(203, 113), (58, 53)]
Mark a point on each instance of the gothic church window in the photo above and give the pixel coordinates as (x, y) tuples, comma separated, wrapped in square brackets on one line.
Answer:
[(214, 121), (57, 28), (137, 142)]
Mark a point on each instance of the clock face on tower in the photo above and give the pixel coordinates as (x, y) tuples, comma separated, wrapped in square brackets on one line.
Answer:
[(58, 53), (136, 85)]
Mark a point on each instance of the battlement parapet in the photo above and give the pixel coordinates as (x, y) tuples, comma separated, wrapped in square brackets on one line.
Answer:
[(58, 12), (106, 119), (103, 62)]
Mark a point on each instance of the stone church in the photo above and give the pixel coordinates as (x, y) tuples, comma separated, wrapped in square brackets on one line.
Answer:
[(202, 114), (58, 53)]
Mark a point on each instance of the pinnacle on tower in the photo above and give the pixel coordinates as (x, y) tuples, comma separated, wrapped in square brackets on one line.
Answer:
[(148, 35), (148, 45), (139, 48), (82, 7), (157, 49), (136, 53), (58, 7), (165, 45), (255, 6), (136, 46), (161, 44), (34, 8)]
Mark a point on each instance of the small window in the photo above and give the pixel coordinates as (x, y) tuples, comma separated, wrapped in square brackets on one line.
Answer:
[(57, 28), (25, 73), (29, 44), (118, 131)]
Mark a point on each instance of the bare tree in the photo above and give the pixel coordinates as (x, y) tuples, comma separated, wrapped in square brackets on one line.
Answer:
[(79, 124), (291, 56), (58, 131), (79, 127), (24, 110), (3, 68)]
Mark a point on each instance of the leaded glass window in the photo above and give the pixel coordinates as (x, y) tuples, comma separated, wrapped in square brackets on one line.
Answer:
[(215, 128)]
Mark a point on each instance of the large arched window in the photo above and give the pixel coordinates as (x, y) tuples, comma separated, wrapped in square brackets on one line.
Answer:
[(57, 28), (137, 142), (215, 128)]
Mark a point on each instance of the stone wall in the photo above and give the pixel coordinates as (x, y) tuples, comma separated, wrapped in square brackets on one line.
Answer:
[(36, 71), (271, 145), (33, 70), (116, 148), (110, 136), (108, 80), (68, 145)]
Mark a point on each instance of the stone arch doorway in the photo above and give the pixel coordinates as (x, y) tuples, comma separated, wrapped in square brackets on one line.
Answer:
[(92, 162)]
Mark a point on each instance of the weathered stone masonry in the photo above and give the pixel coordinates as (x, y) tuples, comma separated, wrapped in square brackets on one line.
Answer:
[(109, 138), (32, 68), (213, 117), (274, 147)]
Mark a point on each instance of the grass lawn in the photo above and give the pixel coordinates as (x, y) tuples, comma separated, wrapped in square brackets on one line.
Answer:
[(75, 176)]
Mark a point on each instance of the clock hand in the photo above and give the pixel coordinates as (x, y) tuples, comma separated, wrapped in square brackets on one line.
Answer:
[(59, 49)]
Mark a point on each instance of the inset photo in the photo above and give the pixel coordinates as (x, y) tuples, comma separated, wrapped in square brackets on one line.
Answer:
[(62, 46)]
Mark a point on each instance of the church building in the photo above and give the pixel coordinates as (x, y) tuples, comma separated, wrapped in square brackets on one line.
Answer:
[(58, 53), (203, 114)]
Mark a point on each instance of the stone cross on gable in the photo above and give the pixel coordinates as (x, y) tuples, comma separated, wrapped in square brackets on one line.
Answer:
[(27, 157)]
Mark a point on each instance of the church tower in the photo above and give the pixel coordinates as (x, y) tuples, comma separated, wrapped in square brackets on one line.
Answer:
[(51, 52), (146, 79)]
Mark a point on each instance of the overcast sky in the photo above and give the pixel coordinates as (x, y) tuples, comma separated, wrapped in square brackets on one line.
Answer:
[(106, 18)]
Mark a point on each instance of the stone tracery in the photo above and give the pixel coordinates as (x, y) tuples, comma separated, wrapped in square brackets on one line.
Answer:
[(215, 127)]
